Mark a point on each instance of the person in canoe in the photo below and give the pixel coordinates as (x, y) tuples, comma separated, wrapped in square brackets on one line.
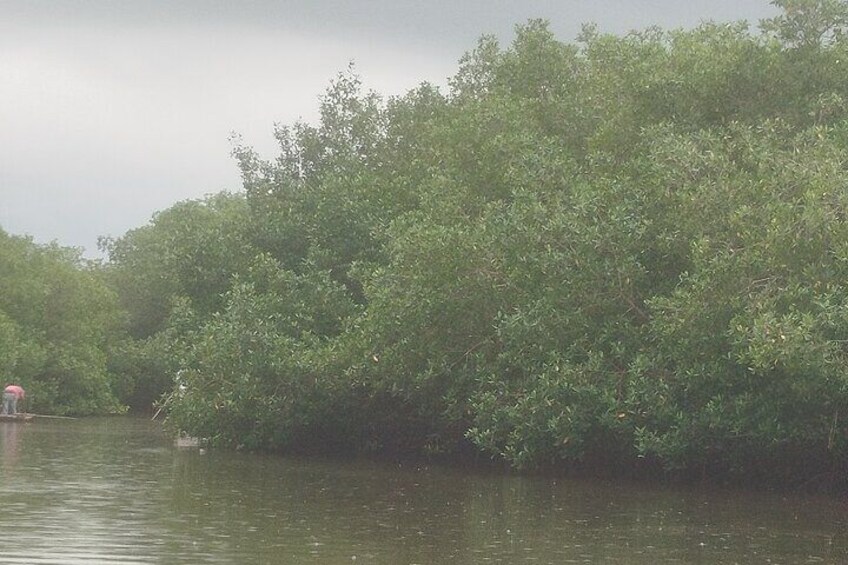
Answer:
[(11, 395)]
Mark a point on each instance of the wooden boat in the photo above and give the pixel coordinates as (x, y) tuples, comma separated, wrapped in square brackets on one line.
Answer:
[(19, 417)]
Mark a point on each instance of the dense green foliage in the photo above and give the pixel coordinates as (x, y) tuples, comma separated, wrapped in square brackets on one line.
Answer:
[(58, 323), (625, 250)]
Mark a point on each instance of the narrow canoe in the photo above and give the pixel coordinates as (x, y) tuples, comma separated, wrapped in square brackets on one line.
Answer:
[(19, 417)]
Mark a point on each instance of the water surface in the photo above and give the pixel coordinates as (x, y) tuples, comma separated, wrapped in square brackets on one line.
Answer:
[(117, 491)]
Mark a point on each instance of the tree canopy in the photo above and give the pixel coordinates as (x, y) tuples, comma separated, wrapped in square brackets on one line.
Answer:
[(58, 321), (624, 251)]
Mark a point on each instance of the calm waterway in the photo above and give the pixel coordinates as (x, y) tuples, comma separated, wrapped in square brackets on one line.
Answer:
[(117, 491)]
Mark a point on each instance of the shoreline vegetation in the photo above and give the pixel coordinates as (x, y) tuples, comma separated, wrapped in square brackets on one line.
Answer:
[(626, 255)]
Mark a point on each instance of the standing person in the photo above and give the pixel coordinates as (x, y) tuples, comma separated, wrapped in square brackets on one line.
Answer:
[(11, 395)]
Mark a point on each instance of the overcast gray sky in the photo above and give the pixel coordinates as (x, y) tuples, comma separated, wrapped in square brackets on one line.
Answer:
[(112, 110)]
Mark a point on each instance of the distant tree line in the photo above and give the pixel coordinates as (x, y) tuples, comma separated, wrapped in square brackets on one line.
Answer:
[(628, 251), (59, 324)]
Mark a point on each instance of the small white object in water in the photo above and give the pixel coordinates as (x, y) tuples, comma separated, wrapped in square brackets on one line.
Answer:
[(186, 441)]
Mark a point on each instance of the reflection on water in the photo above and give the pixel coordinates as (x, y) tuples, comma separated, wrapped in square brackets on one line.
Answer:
[(10, 443), (117, 491)]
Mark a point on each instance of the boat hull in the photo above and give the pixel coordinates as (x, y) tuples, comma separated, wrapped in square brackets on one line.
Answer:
[(15, 417)]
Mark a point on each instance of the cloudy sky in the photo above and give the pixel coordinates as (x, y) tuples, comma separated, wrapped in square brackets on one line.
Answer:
[(113, 109)]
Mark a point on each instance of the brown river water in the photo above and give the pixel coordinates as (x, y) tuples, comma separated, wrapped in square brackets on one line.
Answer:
[(118, 491)]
